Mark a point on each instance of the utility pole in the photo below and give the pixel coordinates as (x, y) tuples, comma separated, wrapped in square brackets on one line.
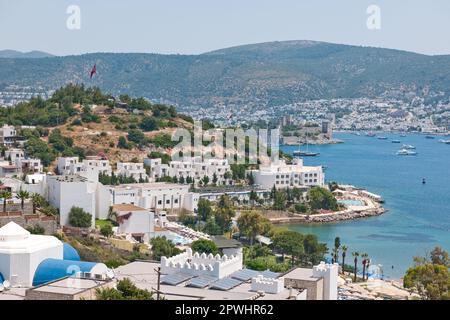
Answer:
[(158, 272)]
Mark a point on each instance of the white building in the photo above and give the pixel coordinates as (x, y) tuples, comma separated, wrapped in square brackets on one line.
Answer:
[(7, 134), (154, 196), (135, 221), (65, 192), (64, 164), (198, 264), (131, 169), (9, 170), (22, 252), (89, 168), (29, 165), (193, 167), (282, 175), (13, 153)]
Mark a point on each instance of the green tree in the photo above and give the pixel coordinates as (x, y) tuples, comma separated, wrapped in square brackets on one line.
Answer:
[(364, 257), (279, 202), (344, 253), (204, 209), (337, 246), (206, 246), (430, 276), (126, 290), (355, 260), (123, 144), (320, 198), (161, 246), (106, 230), (251, 224), (22, 195), (136, 136), (149, 124), (289, 242), (79, 218), (5, 195)]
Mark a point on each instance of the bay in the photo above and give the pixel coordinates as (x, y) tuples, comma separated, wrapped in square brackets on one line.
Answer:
[(419, 214)]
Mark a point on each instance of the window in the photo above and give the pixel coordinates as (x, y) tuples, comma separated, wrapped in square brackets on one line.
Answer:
[(167, 201), (175, 201), (159, 201)]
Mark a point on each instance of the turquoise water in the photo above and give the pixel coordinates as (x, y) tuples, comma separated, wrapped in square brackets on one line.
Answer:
[(348, 202), (419, 214)]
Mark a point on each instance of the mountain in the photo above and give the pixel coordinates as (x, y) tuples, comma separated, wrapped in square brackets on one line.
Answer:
[(18, 55), (267, 74)]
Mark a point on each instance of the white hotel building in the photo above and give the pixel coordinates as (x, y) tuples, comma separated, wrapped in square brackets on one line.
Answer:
[(89, 168), (156, 196), (131, 169), (282, 175), (193, 167)]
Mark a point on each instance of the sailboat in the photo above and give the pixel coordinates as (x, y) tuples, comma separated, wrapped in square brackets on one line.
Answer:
[(300, 153)]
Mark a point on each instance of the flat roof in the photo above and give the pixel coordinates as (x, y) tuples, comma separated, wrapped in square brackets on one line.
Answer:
[(143, 274), (301, 274), (69, 285), (222, 242)]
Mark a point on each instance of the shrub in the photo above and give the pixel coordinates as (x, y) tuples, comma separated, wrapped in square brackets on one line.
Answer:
[(79, 218)]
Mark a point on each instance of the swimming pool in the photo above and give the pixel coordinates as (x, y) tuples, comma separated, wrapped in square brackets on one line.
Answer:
[(351, 203), (180, 240)]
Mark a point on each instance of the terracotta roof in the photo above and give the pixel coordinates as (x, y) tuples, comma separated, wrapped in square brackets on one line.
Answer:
[(127, 207)]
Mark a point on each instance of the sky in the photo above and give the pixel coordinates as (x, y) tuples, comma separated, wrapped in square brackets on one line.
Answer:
[(197, 26)]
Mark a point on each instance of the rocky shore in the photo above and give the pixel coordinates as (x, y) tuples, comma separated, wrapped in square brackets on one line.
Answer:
[(327, 217)]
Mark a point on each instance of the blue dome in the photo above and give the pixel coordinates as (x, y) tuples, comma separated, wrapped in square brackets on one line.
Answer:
[(53, 269), (1, 278), (69, 253)]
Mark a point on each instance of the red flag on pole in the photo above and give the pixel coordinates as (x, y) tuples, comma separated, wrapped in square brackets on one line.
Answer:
[(93, 70)]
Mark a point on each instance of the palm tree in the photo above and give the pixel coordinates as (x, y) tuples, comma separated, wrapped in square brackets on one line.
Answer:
[(36, 200), (355, 256), (364, 256), (344, 253), (5, 195), (337, 245), (22, 195), (335, 254)]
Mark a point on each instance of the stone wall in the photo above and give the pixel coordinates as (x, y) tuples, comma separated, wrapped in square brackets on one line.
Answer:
[(49, 224)]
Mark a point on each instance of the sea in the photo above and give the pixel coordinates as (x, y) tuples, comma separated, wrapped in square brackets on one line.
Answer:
[(418, 217)]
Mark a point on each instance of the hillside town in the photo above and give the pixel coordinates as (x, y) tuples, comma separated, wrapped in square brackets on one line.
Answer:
[(195, 220)]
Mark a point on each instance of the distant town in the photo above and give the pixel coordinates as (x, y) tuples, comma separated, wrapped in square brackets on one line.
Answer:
[(350, 114)]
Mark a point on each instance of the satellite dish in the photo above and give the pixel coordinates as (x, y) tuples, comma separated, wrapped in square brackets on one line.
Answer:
[(2, 288), (6, 284)]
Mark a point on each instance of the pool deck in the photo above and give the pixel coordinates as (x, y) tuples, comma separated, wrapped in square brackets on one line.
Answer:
[(370, 209)]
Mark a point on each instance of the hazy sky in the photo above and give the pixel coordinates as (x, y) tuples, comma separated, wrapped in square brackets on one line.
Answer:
[(196, 26)]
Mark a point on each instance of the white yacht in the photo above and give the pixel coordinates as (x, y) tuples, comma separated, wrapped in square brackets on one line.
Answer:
[(406, 152), (408, 147)]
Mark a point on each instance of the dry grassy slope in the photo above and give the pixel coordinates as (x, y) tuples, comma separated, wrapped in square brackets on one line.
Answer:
[(88, 136)]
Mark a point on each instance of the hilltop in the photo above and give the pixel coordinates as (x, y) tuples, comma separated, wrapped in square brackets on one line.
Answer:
[(266, 74), (20, 55), (79, 121)]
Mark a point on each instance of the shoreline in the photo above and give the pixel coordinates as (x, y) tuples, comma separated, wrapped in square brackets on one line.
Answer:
[(315, 143), (345, 215)]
